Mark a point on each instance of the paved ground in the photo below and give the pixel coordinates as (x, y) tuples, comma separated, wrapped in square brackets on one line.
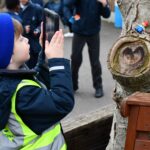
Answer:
[(84, 98)]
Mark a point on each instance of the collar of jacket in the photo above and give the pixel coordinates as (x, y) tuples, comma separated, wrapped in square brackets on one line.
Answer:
[(23, 72), (24, 7)]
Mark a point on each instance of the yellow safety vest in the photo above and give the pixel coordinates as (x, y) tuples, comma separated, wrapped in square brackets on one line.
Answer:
[(18, 136)]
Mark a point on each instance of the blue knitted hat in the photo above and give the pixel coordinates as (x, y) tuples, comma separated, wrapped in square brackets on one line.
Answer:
[(6, 39)]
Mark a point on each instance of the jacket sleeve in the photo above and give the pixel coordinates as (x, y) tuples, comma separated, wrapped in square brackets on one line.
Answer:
[(67, 8), (104, 11), (42, 70), (41, 108), (39, 17)]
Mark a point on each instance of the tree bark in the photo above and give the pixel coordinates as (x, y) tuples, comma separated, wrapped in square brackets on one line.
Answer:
[(129, 63)]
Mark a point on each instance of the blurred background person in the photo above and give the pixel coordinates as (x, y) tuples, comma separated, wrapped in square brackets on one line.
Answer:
[(55, 5), (66, 15), (39, 2), (58, 7), (31, 15), (2, 6), (13, 7), (86, 23)]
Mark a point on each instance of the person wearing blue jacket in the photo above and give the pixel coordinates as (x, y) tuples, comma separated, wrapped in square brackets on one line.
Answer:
[(30, 113), (32, 16), (55, 5), (86, 25), (38, 2), (13, 9)]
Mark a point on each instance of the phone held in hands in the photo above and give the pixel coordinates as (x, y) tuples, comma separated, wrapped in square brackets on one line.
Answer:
[(50, 25)]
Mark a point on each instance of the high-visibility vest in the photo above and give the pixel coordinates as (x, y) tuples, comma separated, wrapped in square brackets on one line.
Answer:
[(18, 136)]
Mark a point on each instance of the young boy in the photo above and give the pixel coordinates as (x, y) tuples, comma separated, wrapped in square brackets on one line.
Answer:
[(30, 113)]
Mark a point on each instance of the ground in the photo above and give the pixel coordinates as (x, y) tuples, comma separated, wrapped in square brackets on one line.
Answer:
[(85, 102)]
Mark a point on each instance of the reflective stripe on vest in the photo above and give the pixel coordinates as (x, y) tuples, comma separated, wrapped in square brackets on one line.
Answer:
[(17, 136)]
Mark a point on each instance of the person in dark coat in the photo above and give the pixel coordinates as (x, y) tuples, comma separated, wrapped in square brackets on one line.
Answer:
[(32, 16), (86, 25), (13, 9), (39, 2), (55, 5)]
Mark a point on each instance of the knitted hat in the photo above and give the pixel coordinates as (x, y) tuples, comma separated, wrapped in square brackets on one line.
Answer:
[(6, 39)]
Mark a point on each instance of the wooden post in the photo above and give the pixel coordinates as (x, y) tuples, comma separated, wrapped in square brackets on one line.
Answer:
[(137, 108)]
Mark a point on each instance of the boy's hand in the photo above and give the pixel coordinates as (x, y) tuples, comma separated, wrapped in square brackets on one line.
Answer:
[(41, 36), (55, 49), (104, 2)]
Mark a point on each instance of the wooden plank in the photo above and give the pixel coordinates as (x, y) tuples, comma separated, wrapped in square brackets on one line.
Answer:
[(142, 145), (72, 123), (93, 136), (140, 99), (131, 130), (144, 119), (89, 131)]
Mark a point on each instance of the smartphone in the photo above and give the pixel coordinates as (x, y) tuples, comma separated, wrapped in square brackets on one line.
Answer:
[(50, 25)]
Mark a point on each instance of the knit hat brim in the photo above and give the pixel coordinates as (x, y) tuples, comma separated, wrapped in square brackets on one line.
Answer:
[(6, 39)]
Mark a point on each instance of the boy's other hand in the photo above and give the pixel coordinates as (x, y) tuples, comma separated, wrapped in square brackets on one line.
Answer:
[(55, 49)]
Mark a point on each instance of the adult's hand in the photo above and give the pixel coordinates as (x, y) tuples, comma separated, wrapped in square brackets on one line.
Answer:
[(104, 2)]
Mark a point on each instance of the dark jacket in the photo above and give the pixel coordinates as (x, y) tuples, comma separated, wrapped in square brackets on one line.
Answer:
[(90, 12), (15, 16), (39, 108), (39, 2), (32, 16), (55, 6)]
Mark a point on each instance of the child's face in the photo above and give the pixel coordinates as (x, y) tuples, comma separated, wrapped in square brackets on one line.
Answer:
[(21, 50)]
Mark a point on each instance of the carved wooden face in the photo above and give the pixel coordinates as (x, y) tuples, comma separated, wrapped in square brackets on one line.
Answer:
[(132, 56), (129, 57)]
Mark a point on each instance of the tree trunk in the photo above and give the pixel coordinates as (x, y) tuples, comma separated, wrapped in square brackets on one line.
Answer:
[(129, 62)]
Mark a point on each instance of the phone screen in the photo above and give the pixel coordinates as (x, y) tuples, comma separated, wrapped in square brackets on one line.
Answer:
[(51, 23), (49, 28)]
